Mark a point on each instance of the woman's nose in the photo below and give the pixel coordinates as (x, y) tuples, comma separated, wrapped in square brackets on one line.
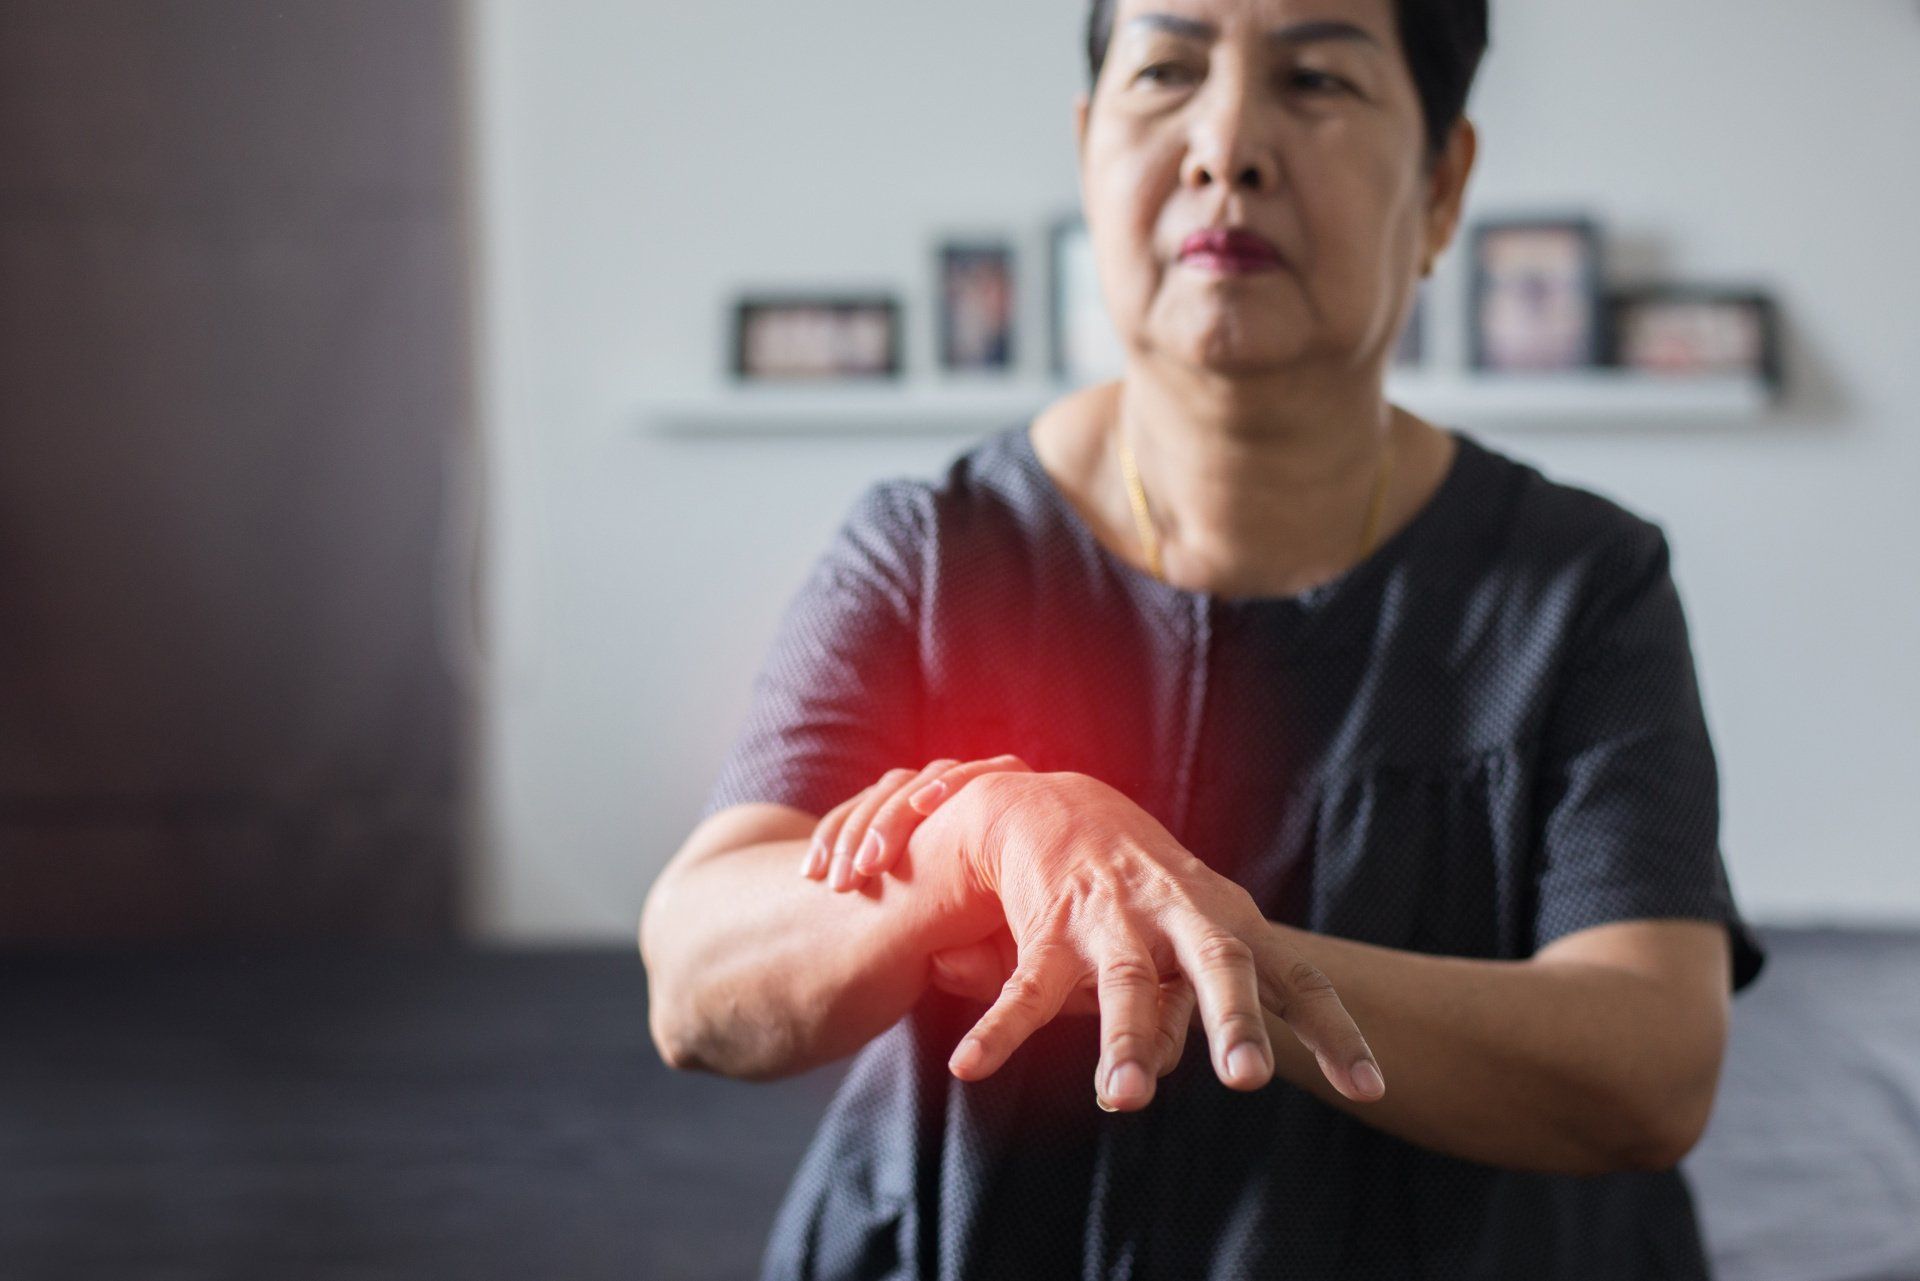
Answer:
[(1227, 146)]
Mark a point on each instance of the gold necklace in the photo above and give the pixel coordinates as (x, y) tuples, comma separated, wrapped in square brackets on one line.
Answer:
[(1151, 540)]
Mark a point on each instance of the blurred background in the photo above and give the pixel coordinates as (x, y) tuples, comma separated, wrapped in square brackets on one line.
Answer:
[(386, 553)]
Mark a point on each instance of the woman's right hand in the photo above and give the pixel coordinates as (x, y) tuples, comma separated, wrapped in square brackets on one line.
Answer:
[(864, 834)]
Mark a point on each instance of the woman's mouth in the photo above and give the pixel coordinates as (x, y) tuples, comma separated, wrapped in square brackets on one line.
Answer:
[(1229, 251)]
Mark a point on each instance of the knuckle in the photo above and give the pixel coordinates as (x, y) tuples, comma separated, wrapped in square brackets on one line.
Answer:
[(1240, 1025), (1024, 990), (1224, 952), (991, 789), (1129, 1044), (1127, 971), (1304, 986), (1305, 982)]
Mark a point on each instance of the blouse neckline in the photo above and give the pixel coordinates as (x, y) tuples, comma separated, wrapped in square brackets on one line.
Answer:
[(1308, 600)]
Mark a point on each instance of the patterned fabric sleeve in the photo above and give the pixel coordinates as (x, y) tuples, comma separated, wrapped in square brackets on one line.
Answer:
[(837, 699), (1629, 806)]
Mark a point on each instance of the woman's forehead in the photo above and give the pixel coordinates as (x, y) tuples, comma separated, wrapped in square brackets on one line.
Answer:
[(1359, 23)]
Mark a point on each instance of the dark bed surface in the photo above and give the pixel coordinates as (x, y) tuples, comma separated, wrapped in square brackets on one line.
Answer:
[(495, 1114)]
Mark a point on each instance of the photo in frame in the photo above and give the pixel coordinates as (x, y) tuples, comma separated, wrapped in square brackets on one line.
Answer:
[(1085, 347), (1682, 329), (1534, 302), (1409, 351), (977, 306), (824, 337)]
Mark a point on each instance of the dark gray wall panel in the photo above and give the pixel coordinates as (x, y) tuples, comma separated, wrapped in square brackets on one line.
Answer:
[(232, 389)]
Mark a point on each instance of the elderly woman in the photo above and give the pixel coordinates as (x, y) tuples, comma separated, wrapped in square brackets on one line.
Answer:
[(1229, 692)]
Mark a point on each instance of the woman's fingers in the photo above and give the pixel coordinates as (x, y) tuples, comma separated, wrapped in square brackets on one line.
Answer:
[(1033, 994), (840, 873), (1300, 995), (1176, 1016), (927, 797), (1129, 1026), (825, 833), (1220, 965), (864, 834), (893, 822)]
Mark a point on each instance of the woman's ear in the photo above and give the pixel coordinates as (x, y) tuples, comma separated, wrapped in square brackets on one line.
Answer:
[(1447, 185), (1082, 103)]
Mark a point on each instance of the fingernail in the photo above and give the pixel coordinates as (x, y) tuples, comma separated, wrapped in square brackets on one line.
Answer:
[(842, 874), (968, 1056), (932, 794), (1367, 1079), (1244, 1062), (869, 853), (815, 860), (1126, 1081), (1104, 1105)]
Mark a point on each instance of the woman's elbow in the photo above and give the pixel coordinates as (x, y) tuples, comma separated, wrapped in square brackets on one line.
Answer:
[(1657, 1130), (667, 1025), (1667, 1138)]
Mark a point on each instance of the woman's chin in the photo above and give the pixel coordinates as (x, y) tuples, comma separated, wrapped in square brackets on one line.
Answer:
[(1234, 345), (1239, 358)]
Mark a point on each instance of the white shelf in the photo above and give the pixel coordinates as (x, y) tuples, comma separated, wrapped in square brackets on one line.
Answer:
[(891, 409), (1586, 397), (1544, 401)]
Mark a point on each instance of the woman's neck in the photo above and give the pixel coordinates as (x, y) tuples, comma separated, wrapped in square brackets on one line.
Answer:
[(1254, 488)]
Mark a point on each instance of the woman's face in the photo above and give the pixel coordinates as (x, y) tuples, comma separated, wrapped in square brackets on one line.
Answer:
[(1234, 113)]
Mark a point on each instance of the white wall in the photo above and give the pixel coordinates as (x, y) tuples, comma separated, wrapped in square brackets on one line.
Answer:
[(638, 162)]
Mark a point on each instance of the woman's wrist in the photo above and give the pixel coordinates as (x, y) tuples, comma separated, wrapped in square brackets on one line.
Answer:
[(954, 905)]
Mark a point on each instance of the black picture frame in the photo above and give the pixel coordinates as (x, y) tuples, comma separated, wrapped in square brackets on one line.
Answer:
[(1761, 313), (1570, 295), (862, 320), (978, 342)]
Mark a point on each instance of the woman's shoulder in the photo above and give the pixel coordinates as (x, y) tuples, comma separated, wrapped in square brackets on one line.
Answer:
[(983, 502), (993, 478), (1535, 519)]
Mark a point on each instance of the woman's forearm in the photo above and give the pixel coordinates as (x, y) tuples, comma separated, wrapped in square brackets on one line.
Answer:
[(1561, 1067), (756, 972)]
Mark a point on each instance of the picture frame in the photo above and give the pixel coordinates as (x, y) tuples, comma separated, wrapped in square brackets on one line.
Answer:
[(1085, 347), (825, 337), (978, 301), (1410, 348), (1534, 300), (1682, 330)]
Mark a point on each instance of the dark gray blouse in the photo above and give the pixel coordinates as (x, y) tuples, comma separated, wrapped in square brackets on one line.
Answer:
[(1484, 736)]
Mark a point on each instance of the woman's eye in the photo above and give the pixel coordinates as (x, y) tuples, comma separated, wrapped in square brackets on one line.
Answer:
[(1154, 72), (1319, 81)]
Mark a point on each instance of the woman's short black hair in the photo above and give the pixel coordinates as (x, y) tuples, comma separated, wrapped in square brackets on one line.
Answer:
[(1444, 40)]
